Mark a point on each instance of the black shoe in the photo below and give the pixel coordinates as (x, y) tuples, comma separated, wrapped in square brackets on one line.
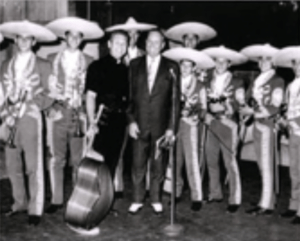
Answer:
[(214, 200), (259, 211), (196, 206), (232, 208), (177, 200), (34, 220), (296, 220), (53, 208), (119, 195), (288, 214), (10, 212)]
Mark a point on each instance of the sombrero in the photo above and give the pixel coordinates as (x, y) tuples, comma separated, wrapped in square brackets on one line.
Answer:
[(285, 56), (131, 24), (235, 57), (202, 60), (89, 29), (177, 32), (13, 28), (254, 52)]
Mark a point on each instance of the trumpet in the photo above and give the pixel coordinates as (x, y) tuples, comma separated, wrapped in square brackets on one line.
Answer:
[(10, 140)]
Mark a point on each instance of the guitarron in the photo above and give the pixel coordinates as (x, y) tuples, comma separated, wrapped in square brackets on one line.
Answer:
[(93, 192)]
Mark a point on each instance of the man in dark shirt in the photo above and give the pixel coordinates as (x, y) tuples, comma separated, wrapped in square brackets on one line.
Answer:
[(107, 84)]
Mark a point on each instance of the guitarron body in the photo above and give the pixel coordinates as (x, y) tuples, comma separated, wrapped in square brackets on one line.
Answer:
[(92, 195)]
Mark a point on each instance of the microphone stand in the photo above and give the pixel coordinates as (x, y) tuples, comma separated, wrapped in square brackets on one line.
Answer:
[(173, 229)]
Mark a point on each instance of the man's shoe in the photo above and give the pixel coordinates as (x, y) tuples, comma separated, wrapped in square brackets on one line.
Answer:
[(53, 208), (119, 195), (34, 220), (259, 211), (232, 208), (135, 208), (157, 208), (288, 214), (10, 212), (296, 220), (196, 206)]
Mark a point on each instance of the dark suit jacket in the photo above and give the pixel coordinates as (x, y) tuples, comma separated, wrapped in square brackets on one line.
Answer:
[(153, 112)]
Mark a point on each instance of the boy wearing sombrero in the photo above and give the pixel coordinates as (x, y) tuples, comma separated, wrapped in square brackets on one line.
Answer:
[(24, 78), (266, 95), (66, 117), (224, 95), (290, 58), (193, 108)]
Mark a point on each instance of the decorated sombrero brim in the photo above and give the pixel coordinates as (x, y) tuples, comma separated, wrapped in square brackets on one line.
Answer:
[(202, 60), (254, 52), (89, 29), (233, 56), (131, 24), (202, 30), (286, 56), (13, 28)]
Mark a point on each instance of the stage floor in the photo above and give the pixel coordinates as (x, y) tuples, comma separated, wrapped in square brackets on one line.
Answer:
[(210, 224)]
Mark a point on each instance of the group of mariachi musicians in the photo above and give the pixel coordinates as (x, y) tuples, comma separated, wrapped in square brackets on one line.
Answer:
[(77, 109)]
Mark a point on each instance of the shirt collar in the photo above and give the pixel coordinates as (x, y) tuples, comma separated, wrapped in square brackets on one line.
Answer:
[(155, 59), (114, 60)]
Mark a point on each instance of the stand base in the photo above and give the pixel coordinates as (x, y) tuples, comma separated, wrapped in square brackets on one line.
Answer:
[(173, 230)]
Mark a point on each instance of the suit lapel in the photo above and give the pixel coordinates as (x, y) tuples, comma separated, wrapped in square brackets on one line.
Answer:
[(144, 76)]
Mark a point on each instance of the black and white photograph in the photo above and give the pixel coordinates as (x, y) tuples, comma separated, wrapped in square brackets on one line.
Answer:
[(149, 120)]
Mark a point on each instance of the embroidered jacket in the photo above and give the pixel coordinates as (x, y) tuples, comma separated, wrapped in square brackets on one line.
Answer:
[(269, 96), (194, 102), (31, 88), (232, 92), (72, 81)]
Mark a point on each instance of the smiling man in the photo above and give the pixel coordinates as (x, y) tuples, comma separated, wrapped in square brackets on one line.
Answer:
[(24, 79)]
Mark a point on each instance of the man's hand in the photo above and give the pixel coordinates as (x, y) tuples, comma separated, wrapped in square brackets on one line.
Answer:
[(216, 107), (134, 130), (169, 137), (92, 130), (246, 110), (208, 119)]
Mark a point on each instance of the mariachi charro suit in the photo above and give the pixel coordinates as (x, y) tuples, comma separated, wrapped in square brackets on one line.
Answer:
[(152, 111), (67, 118), (293, 118), (193, 99), (223, 136), (269, 96), (28, 136)]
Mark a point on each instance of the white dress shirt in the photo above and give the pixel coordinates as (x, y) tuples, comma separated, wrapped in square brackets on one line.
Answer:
[(152, 67)]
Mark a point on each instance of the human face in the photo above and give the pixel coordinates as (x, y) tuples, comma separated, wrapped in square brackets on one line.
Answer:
[(133, 36), (73, 39), (296, 68), (117, 45), (265, 63), (190, 41), (24, 42), (222, 65), (154, 44), (186, 68)]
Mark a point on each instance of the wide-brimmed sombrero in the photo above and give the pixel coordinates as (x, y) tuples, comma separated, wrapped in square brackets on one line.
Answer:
[(203, 31), (39, 32), (254, 52), (286, 56), (202, 60), (233, 56), (131, 24), (89, 29)]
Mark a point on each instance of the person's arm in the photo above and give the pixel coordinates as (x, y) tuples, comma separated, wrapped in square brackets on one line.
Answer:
[(90, 106)]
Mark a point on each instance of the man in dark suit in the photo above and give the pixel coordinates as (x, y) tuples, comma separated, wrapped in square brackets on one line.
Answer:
[(153, 112)]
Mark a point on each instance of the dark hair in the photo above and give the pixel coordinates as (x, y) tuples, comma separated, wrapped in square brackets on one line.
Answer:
[(67, 33), (156, 30), (118, 32)]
